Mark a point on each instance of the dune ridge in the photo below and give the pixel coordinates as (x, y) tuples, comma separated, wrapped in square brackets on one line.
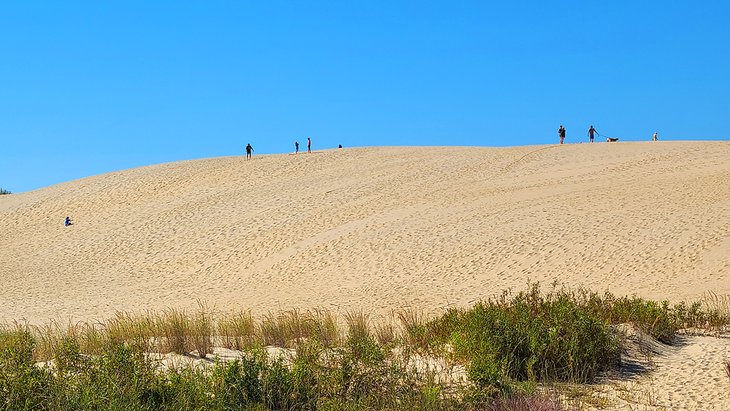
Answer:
[(375, 229)]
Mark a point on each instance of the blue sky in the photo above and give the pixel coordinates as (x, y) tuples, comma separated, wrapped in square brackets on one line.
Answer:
[(89, 87)]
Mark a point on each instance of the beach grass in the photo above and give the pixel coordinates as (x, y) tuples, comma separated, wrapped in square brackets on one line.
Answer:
[(505, 351)]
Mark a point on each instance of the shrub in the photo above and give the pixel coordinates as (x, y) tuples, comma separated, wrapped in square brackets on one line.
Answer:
[(531, 337), (22, 384)]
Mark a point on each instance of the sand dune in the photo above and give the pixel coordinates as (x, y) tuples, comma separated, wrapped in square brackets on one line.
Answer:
[(371, 228)]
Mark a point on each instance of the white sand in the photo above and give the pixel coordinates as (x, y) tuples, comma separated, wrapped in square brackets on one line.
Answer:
[(380, 229)]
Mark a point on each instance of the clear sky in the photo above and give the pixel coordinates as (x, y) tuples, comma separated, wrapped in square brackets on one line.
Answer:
[(88, 87)]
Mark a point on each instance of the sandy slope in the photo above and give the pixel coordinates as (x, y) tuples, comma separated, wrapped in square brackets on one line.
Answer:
[(371, 228), (687, 376)]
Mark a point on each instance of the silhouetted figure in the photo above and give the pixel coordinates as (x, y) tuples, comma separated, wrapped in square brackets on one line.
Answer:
[(561, 133), (296, 147), (340, 146), (309, 145), (67, 222), (655, 137), (591, 132), (249, 150)]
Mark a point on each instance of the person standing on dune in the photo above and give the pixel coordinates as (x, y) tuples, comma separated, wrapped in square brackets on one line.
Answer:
[(655, 137), (591, 132), (309, 145), (561, 133), (249, 150), (296, 147)]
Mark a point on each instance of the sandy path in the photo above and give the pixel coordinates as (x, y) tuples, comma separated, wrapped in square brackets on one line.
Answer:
[(688, 376), (372, 228)]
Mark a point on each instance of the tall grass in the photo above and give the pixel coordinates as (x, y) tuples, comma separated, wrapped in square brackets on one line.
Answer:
[(715, 303), (507, 345), (290, 328), (238, 331)]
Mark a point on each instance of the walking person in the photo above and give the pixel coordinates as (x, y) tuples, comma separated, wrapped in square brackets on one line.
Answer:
[(655, 137), (561, 133), (296, 147), (591, 132), (309, 145), (249, 150)]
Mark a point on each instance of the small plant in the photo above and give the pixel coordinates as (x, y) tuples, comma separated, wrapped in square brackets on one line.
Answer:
[(414, 327), (385, 334), (174, 325), (358, 326), (238, 331), (138, 330), (525, 403), (202, 328), (272, 331)]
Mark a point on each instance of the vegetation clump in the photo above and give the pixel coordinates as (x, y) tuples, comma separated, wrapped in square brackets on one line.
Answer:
[(3, 191), (502, 350), (530, 337)]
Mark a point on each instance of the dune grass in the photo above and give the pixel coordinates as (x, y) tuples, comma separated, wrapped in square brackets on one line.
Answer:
[(504, 348)]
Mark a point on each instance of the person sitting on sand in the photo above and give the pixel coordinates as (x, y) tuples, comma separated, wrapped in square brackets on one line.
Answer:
[(67, 221), (249, 150)]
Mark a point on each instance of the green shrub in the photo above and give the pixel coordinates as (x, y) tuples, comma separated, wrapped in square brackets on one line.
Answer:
[(238, 383), (23, 386), (530, 337)]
